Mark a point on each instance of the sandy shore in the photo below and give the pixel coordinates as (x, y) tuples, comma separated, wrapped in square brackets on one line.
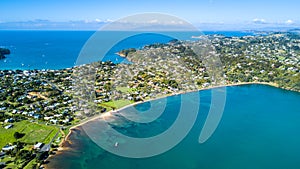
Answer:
[(64, 144), (164, 96), (120, 54)]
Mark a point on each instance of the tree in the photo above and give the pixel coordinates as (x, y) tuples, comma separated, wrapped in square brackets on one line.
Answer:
[(18, 135), (24, 154)]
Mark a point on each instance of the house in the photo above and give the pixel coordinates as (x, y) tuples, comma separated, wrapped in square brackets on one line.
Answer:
[(38, 146), (48, 118), (66, 121), (36, 116), (8, 126), (10, 120), (205, 84), (8, 148), (53, 121)]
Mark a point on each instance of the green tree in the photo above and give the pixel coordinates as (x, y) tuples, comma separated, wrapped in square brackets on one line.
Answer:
[(18, 135)]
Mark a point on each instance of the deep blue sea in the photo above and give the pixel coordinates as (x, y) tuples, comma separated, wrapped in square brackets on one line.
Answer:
[(60, 49), (259, 130)]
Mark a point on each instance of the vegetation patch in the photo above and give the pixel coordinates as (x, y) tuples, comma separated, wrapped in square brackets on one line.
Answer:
[(116, 104), (32, 132)]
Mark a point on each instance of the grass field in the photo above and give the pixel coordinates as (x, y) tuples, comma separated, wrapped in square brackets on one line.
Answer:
[(117, 103), (31, 164), (126, 89), (33, 133)]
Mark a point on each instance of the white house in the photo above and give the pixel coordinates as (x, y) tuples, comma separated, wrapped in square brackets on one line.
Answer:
[(8, 148), (38, 146), (8, 126)]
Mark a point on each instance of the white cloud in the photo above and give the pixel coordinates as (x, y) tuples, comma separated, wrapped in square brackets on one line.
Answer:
[(289, 22), (259, 21), (98, 20), (87, 21), (153, 21)]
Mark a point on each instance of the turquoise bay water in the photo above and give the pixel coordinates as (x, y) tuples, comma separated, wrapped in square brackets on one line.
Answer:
[(259, 129)]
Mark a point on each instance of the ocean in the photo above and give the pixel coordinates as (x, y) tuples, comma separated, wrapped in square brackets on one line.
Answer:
[(259, 129), (60, 49)]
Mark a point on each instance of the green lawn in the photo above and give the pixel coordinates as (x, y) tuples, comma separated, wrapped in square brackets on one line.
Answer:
[(125, 89), (33, 133), (31, 164), (10, 162), (118, 103), (281, 58)]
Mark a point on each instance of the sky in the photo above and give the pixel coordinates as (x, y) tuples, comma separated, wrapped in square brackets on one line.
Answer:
[(284, 12)]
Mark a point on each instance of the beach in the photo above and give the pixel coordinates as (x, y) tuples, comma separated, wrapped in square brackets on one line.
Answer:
[(249, 125), (109, 113)]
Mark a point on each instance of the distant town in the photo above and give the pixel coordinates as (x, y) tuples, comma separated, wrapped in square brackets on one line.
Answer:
[(37, 107)]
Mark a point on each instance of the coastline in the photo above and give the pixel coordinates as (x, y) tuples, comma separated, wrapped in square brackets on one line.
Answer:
[(103, 115), (67, 143), (82, 148), (120, 54)]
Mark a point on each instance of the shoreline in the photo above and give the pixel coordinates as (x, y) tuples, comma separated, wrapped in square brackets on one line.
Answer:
[(66, 138), (66, 141)]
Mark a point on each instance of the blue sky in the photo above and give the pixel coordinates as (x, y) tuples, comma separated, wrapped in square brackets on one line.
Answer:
[(194, 11)]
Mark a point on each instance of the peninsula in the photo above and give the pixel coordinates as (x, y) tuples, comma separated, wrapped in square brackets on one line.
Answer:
[(49, 102)]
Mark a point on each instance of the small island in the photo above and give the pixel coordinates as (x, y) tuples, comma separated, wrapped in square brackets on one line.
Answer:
[(3, 52)]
